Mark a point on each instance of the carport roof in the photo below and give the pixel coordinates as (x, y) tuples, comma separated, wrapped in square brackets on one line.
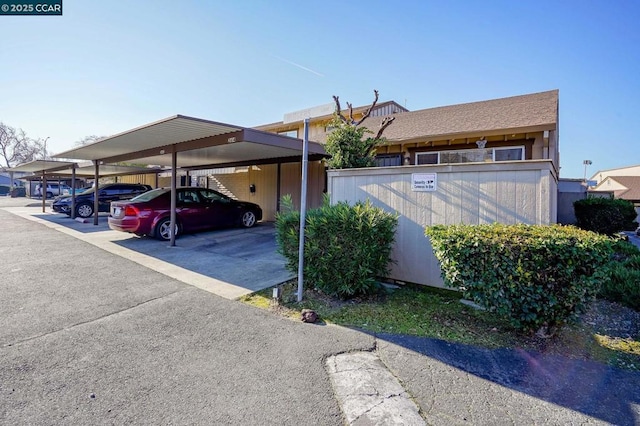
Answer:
[(42, 166), (198, 143), (83, 169)]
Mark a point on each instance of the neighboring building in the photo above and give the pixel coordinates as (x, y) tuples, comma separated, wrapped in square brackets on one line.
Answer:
[(623, 183), (5, 178), (601, 175), (569, 191)]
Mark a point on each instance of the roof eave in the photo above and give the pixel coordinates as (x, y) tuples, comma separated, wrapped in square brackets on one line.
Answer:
[(477, 133)]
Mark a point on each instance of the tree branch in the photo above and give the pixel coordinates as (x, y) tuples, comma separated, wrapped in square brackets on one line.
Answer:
[(350, 106), (386, 122), (339, 110), (366, 114)]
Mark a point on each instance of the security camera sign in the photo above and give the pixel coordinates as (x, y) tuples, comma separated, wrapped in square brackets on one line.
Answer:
[(424, 181)]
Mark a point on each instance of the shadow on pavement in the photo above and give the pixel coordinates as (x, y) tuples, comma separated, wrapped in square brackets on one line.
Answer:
[(227, 262), (588, 387), (66, 221), (245, 258)]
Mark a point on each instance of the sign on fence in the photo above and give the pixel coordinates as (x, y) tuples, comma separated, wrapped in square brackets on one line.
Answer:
[(424, 181)]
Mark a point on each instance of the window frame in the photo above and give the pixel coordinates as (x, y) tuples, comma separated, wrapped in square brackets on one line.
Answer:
[(461, 152)]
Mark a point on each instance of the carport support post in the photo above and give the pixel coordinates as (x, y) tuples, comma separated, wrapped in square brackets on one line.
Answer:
[(73, 191), (174, 160), (96, 176), (303, 208), (43, 190)]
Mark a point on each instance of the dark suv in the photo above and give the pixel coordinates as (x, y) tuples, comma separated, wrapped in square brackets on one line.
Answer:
[(106, 194)]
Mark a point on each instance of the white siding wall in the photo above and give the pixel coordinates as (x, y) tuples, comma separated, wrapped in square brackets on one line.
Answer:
[(509, 192)]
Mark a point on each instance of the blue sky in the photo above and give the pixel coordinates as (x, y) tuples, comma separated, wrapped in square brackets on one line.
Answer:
[(106, 67)]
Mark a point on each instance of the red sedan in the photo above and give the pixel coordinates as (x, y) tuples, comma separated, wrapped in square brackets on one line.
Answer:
[(197, 209)]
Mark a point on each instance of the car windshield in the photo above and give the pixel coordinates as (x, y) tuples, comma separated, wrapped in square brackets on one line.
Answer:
[(89, 191), (150, 195)]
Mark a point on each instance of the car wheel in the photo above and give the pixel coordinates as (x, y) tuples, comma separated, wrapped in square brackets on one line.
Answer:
[(49, 194), (163, 229), (248, 219), (84, 210)]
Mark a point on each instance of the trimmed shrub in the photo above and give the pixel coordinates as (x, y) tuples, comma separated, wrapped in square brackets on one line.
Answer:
[(346, 247), (535, 276), (622, 276), (622, 286), (605, 215)]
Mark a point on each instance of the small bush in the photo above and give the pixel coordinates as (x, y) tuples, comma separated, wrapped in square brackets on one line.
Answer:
[(605, 215), (622, 286), (346, 247), (535, 276), (621, 282)]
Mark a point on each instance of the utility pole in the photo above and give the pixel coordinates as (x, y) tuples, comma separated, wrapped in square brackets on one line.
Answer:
[(586, 163), (44, 156)]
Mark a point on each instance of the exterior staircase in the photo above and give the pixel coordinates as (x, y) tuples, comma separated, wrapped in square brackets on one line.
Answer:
[(216, 185)]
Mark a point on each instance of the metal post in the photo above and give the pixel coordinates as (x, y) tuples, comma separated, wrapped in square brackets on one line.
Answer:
[(174, 160), (96, 188), (586, 164), (44, 154), (73, 191), (303, 208), (43, 190)]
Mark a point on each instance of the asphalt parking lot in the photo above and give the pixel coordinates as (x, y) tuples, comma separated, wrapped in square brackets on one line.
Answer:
[(89, 337), (225, 262), (92, 336)]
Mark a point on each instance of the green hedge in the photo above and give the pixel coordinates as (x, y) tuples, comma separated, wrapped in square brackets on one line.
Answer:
[(346, 247), (622, 276), (535, 276), (605, 215)]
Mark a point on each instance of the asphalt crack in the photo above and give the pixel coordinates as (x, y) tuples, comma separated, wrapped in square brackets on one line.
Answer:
[(70, 327)]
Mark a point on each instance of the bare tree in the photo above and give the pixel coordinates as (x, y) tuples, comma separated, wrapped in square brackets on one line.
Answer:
[(17, 148), (88, 140), (347, 144), (352, 122)]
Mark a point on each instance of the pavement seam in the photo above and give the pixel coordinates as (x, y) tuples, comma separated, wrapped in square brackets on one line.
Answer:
[(28, 339), (368, 392), (408, 395)]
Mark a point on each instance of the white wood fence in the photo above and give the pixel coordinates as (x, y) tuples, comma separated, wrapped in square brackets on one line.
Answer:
[(471, 193)]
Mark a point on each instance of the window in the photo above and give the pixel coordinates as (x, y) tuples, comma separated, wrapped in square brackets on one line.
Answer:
[(290, 133), (188, 197), (387, 160), (428, 158), (508, 154), (511, 153), (211, 196)]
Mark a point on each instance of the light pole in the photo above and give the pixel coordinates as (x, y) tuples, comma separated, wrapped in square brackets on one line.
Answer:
[(586, 163), (44, 157)]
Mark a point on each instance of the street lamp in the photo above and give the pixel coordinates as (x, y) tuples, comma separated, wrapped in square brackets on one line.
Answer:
[(586, 163), (44, 157)]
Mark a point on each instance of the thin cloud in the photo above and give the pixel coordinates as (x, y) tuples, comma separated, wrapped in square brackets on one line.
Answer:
[(298, 65)]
